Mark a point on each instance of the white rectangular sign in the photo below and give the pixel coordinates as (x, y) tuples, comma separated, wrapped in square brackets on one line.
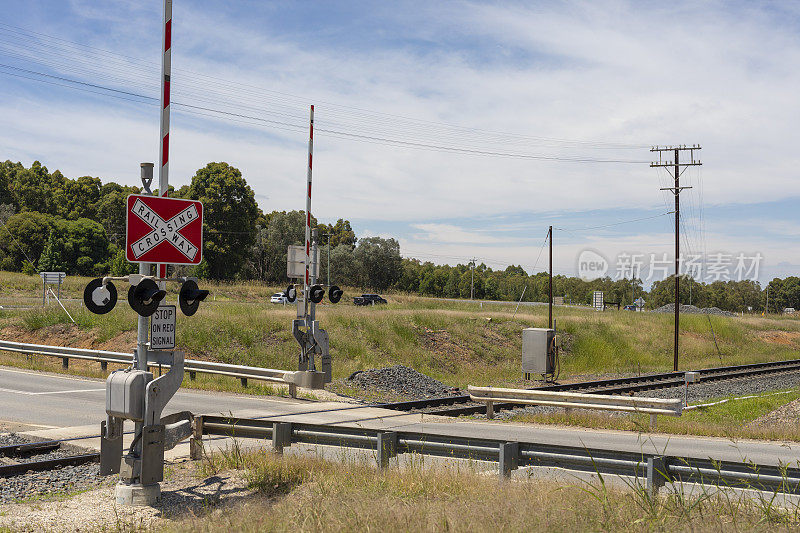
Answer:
[(296, 263), (597, 300), (162, 328)]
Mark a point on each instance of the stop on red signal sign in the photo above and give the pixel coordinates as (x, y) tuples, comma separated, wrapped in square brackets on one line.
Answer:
[(163, 230)]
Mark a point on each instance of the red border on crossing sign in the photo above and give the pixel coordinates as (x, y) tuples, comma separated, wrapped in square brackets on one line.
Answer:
[(163, 230)]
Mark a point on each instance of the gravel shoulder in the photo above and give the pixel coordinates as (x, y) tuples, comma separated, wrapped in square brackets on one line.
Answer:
[(185, 493)]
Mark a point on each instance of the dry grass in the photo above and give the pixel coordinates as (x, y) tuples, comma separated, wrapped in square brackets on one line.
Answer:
[(308, 494)]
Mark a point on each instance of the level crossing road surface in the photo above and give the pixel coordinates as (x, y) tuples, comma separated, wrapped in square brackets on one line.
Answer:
[(64, 401)]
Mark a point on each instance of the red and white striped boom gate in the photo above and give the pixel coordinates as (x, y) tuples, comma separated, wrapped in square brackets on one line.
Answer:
[(163, 147)]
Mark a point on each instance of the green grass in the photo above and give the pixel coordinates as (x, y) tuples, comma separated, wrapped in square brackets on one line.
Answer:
[(458, 342)]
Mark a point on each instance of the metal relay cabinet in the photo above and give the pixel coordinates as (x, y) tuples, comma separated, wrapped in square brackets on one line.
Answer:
[(538, 351)]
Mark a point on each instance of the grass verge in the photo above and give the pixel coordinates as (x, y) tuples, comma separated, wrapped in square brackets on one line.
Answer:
[(733, 420), (303, 493)]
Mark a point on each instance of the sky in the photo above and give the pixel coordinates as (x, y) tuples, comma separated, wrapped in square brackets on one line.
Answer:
[(462, 129)]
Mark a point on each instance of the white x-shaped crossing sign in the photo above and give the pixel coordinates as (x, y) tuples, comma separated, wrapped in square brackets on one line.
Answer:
[(164, 230)]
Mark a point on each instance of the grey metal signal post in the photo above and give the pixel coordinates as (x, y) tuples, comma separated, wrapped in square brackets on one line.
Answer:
[(314, 362), (134, 394)]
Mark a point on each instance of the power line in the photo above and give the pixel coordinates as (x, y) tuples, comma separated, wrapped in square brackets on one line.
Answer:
[(395, 142), (40, 40)]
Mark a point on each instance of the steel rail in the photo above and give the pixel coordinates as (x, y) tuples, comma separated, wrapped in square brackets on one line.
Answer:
[(47, 464), (657, 469), (454, 405)]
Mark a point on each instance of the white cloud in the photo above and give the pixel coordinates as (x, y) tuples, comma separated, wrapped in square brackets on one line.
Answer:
[(610, 71)]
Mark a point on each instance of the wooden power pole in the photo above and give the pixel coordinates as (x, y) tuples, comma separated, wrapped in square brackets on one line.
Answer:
[(550, 289), (676, 166)]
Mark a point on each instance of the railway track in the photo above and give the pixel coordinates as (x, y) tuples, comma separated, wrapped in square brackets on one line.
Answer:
[(457, 405), (18, 459)]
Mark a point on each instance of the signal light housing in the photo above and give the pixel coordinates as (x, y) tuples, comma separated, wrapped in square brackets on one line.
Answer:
[(98, 299), (291, 294), (190, 297), (335, 294), (145, 297), (316, 293)]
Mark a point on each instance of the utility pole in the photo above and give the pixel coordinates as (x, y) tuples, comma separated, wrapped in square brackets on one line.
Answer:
[(676, 191), (328, 235), (550, 288), (472, 280)]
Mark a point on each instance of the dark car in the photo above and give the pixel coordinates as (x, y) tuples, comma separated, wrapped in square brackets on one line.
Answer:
[(369, 299), (630, 308)]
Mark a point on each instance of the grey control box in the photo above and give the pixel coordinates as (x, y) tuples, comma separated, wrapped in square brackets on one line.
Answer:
[(125, 390), (538, 350)]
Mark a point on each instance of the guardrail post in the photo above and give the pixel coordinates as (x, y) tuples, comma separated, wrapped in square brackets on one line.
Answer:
[(103, 365), (292, 390), (196, 442), (653, 420), (387, 447), (489, 410), (244, 382), (281, 436), (509, 459), (192, 375), (65, 363), (657, 474)]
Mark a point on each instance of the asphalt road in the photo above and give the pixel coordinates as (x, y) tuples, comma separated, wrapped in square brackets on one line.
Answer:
[(63, 401)]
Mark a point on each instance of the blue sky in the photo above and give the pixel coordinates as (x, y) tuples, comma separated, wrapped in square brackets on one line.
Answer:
[(432, 118)]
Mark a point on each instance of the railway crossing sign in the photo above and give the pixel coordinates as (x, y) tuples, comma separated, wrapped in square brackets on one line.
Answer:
[(163, 230)]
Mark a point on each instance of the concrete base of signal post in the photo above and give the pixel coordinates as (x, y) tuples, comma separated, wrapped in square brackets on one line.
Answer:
[(137, 495)]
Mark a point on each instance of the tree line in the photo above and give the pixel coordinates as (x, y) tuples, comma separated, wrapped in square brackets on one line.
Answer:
[(54, 223)]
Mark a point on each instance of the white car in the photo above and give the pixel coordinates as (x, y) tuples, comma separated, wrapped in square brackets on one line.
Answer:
[(278, 298)]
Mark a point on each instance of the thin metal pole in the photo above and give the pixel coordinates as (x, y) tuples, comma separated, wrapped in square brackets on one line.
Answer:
[(550, 283), (472, 280), (677, 256)]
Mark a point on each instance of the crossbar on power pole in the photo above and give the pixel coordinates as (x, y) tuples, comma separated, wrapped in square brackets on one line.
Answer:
[(676, 190)]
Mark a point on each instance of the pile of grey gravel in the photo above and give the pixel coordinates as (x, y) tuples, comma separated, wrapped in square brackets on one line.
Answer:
[(400, 379), (33, 484), (693, 309)]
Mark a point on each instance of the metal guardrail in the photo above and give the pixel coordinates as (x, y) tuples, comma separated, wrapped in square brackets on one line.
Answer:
[(630, 404), (243, 373), (658, 470)]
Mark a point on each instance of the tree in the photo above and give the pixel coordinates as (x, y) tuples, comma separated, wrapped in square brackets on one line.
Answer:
[(119, 265), (345, 269), (340, 233), (22, 240), (78, 247), (268, 253), (229, 215), (112, 210), (381, 261)]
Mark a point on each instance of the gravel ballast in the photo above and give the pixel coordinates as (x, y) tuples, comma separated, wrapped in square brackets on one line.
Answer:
[(694, 310), (35, 484), (698, 392), (402, 380)]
